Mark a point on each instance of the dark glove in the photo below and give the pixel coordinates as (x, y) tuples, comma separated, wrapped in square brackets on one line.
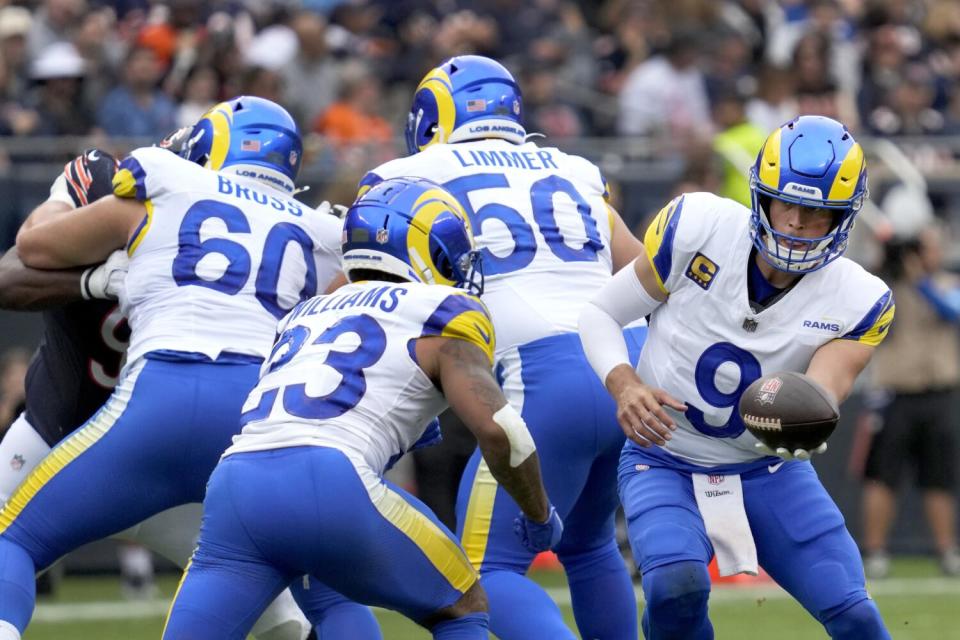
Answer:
[(538, 537), (89, 176)]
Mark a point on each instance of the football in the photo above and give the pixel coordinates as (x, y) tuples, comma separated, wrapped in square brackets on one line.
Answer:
[(788, 410)]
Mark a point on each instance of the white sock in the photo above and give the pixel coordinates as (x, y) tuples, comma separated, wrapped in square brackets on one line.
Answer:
[(8, 631)]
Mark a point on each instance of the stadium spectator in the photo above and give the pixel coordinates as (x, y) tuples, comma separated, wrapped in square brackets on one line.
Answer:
[(775, 100), (137, 108), (353, 118), (199, 94), (312, 77), (666, 95), (919, 366), (14, 27), (53, 22), (58, 73), (736, 144)]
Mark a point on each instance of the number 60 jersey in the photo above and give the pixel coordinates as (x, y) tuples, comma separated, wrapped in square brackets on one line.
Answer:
[(706, 345), (218, 259)]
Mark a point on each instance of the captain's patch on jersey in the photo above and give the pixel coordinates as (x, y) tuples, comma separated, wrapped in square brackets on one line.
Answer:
[(702, 270)]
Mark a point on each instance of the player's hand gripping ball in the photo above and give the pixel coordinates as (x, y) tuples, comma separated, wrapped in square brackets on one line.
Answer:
[(791, 415)]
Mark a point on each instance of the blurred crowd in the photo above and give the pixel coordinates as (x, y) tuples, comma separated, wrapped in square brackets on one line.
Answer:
[(660, 68)]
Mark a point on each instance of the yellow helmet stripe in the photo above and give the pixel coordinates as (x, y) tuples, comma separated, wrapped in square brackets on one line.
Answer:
[(437, 82), (220, 117), (769, 173), (426, 209), (845, 183)]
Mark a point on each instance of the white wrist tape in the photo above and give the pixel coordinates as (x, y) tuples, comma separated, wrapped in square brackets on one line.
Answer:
[(521, 443), (621, 301)]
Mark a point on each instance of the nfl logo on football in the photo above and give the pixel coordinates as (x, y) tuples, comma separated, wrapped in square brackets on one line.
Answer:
[(768, 392)]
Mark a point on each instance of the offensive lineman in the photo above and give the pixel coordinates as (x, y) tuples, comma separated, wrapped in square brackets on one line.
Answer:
[(549, 240), (218, 250)]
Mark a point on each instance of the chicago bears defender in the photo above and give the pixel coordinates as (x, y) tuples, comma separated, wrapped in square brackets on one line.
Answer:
[(227, 253), (352, 383), (76, 368), (549, 240), (733, 294)]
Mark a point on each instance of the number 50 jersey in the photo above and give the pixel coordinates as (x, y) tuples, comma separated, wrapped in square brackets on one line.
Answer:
[(706, 344), (541, 220), (344, 374), (218, 259)]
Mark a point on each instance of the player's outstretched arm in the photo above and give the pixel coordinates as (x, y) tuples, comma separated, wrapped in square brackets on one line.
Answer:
[(26, 289), (624, 299), (87, 236), (837, 364), (624, 246), (462, 371)]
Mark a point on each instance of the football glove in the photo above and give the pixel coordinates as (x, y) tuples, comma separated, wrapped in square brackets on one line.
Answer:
[(86, 178), (536, 536), (786, 454), (105, 281)]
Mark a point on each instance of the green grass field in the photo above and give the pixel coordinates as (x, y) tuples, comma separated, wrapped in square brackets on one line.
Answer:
[(916, 603)]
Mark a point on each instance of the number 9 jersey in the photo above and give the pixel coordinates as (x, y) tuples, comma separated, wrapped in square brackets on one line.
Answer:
[(706, 343), (218, 259), (541, 220)]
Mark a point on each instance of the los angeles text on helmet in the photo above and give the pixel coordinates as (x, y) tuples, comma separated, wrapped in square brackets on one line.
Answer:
[(229, 188)]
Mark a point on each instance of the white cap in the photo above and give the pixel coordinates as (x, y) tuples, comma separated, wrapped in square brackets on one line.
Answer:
[(59, 60), (14, 21), (273, 48), (908, 209)]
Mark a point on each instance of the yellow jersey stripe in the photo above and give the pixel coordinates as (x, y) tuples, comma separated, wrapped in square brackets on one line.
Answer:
[(476, 526), (443, 552), (176, 594), (142, 230), (658, 241), (65, 453)]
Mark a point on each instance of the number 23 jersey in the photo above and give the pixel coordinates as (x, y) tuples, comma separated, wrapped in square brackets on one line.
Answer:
[(218, 259), (706, 345), (343, 372)]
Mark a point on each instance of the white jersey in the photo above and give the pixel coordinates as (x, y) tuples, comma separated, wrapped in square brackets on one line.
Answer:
[(343, 372), (540, 217), (706, 345), (218, 259)]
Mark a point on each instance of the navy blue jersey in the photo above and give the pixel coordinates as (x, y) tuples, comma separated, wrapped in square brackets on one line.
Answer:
[(75, 367)]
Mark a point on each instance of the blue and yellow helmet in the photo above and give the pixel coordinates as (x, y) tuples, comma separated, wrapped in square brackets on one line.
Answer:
[(248, 131), (811, 161), (465, 98), (413, 229)]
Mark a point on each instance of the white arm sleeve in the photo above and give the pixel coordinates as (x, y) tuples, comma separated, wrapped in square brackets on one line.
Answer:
[(621, 301)]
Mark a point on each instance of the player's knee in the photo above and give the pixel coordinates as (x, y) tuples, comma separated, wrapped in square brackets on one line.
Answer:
[(862, 621), (586, 562), (474, 600), (677, 594)]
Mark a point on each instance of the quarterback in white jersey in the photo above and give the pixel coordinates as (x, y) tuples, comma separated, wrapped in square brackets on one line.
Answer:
[(352, 383), (734, 294), (217, 255), (549, 240)]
